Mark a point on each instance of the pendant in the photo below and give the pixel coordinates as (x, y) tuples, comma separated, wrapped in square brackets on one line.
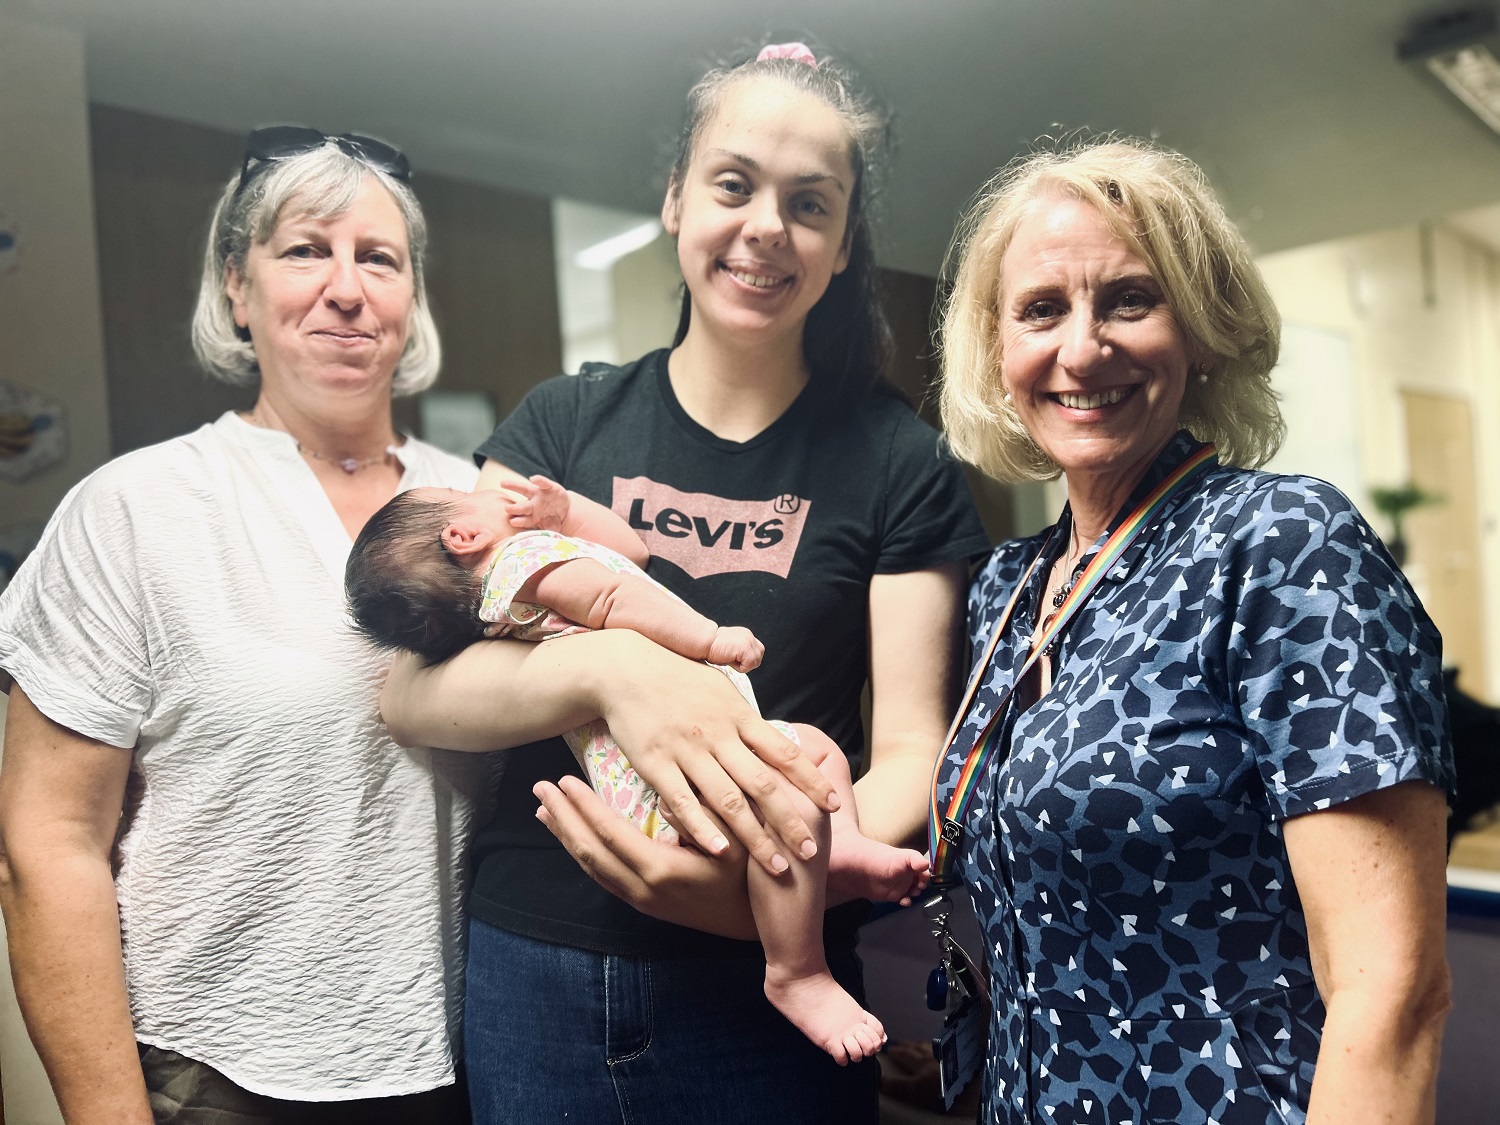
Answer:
[(349, 465)]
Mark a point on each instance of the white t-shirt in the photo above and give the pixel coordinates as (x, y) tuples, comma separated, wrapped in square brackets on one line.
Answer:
[(291, 891)]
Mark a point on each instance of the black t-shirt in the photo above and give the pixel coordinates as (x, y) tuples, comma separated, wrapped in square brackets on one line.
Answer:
[(781, 534)]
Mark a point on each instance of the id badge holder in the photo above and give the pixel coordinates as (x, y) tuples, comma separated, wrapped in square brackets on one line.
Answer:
[(956, 989)]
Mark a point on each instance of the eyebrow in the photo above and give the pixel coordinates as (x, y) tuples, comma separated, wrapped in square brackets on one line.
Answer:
[(802, 178), (1143, 279)]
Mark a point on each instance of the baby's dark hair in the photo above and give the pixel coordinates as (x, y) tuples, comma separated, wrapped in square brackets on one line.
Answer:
[(405, 590)]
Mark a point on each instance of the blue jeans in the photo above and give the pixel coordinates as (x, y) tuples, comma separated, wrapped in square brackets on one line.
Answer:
[(555, 1034)]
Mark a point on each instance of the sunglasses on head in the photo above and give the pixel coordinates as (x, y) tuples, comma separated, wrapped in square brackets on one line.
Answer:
[(277, 142)]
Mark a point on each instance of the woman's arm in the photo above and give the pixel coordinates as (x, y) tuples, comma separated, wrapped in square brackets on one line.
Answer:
[(914, 626), (60, 801), (1370, 874), (915, 642), (683, 725), (677, 885)]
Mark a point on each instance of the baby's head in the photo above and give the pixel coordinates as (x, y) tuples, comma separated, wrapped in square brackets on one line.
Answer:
[(415, 575)]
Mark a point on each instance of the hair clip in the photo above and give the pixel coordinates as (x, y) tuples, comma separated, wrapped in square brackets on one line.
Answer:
[(1112, 190), (800, 52)]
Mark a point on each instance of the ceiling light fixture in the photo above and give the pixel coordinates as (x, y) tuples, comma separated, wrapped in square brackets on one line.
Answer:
[(602, 255), (1454, 50)]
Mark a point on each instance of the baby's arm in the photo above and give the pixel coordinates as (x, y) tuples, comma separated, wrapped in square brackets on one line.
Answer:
[(591, 594), (547, 505)]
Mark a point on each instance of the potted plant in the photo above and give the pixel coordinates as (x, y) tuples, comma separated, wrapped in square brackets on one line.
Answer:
[(1393, 503)]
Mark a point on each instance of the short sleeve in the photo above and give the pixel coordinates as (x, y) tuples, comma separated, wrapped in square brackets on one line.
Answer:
[(1336, 666), (929, 515), (521, 558), (538, 435), (71, 621)]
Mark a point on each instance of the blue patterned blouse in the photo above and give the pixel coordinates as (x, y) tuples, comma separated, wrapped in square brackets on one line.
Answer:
[(1255, 656)]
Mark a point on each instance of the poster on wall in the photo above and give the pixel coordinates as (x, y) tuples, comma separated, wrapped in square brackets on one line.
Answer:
[(10, 245), (33, 432), (16, 542)]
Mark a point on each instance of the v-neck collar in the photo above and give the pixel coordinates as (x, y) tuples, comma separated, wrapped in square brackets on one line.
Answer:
[(297, 486), (795, 409)]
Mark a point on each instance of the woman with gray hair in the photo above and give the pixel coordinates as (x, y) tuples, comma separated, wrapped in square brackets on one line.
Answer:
[(277, 934), (1196, 791)]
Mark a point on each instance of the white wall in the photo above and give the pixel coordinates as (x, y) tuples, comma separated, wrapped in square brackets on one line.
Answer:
[(51, 341), (647, 298), (1408, 310), (51, 337)]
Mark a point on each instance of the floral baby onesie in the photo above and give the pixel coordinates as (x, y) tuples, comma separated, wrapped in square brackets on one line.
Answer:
[(610, 773)]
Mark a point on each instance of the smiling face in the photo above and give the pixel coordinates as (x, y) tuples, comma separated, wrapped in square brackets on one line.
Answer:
[(761, 214), (328, 301), (1090, 353)]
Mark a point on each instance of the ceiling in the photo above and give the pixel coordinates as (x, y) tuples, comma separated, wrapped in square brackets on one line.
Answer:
[(1299, 111)]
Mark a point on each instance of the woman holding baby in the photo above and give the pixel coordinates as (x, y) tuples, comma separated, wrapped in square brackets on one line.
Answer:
[(780, 486)]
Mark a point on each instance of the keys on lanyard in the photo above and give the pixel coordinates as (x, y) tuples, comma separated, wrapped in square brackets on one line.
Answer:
[(957, 990), (956, 977)]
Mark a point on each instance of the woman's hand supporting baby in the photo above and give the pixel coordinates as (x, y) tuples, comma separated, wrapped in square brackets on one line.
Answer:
[(678, 885), (684, 727), (691, 735)]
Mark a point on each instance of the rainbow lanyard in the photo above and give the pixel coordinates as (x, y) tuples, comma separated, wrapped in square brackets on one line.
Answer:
[(945, 831)]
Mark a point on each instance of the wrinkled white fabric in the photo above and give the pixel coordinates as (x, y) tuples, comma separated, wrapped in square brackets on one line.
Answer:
[(291, 888)]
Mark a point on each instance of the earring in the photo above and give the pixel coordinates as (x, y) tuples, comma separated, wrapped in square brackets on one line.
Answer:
[(1203, 373)]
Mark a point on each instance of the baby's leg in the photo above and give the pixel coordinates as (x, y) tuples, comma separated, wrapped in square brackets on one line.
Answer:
[(859, 867), (789, 916)]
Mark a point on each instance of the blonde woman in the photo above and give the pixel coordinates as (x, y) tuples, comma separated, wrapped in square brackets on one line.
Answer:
[(1207, 834)]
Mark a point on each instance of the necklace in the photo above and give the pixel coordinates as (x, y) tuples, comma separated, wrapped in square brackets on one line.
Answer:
[(1073, 571), (1070, 568), (350, 465)]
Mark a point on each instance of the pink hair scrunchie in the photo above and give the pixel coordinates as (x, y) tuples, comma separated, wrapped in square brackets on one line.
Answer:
[(798, 51)]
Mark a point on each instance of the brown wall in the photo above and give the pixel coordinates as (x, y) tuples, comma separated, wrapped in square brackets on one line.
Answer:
[(490, 278), (910, 301)]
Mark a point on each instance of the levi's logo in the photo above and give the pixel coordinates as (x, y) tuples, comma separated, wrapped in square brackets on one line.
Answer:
[(707, 534)]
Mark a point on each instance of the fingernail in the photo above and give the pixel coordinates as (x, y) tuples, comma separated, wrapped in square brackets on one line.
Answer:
[(808, 849), (779, 863), (719, 844), (834, 802)]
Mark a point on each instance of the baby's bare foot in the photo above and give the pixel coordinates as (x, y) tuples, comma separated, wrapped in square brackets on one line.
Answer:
[(826, 1014), (737, 647), (866, 868)]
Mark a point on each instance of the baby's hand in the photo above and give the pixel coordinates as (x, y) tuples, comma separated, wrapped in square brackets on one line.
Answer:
[(542, 503), (737, 647)]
